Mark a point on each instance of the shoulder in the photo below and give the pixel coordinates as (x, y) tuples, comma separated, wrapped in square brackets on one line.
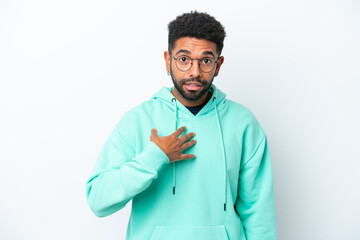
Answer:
[(246, 120), (252, 133), (129, 123), (241, 112), (134, 116)]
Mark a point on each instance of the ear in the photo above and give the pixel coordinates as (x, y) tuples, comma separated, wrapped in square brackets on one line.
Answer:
[(167, 60), (218, 65)]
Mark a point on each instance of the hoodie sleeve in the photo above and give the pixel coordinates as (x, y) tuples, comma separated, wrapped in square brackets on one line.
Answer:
[(119, 174), (255, 200)]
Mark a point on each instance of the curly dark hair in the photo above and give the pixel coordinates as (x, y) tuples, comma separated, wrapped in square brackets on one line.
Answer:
[(198, 25)]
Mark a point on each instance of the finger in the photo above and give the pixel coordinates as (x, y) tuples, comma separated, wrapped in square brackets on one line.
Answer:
[(188, 144), (186, 137), (179, 131), (187, 156), (154, 131)]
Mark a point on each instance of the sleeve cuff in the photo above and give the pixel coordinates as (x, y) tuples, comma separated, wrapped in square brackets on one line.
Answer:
[(152, 156)]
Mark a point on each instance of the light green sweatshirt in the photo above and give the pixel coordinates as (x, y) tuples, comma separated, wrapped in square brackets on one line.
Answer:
[(225, 192)]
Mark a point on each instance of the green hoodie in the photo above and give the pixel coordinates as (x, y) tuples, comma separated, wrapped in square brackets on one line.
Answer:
[(225, 192)]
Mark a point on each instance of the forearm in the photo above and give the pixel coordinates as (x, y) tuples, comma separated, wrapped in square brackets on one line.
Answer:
[(111, 190)]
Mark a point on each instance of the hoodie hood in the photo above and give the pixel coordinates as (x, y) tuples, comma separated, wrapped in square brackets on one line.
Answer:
[(216, 103)]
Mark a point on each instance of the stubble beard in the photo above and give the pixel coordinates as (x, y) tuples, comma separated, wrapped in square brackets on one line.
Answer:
[(191, 95)]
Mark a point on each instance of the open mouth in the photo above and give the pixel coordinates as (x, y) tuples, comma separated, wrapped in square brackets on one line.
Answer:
[(193, 86)]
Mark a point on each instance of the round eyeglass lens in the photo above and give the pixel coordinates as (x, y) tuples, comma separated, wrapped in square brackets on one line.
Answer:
[(184, 63), (207, 64)]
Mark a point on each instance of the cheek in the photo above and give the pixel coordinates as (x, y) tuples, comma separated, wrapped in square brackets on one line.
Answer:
[(177, 73)]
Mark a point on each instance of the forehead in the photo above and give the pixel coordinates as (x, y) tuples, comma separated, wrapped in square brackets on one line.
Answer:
[(195, 46)]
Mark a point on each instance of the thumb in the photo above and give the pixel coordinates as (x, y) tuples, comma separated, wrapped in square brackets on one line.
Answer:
[(154, 131)]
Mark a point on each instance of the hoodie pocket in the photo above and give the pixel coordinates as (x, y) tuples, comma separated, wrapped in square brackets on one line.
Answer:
[(213, 232)]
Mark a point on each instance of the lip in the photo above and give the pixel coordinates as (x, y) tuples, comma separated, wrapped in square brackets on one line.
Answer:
[(194, 87), (193, 83)]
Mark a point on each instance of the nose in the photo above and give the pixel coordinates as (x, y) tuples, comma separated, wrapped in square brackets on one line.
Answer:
[(195, 71)]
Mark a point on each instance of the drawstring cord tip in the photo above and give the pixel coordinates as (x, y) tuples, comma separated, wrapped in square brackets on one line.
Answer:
[(224, 206), (173, 190)]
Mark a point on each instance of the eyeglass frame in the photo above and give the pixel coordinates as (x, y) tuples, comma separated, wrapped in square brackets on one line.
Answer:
[(192, 62)]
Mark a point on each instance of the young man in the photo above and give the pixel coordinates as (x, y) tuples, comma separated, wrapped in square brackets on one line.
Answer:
[(195, 164)]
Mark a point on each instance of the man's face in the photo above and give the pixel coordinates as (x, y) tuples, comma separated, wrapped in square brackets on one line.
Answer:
[(193, 84)]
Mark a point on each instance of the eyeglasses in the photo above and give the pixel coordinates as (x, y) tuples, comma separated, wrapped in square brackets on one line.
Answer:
[(184, 63)]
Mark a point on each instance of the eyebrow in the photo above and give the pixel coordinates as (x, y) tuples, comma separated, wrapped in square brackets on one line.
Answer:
[(188, 52), (182, 51), (209, 53)]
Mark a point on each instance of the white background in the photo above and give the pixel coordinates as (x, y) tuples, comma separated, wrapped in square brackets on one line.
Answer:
[(70, 69)]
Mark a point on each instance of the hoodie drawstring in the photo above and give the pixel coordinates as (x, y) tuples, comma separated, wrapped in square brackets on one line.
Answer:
[(223, 151), (174, 172), (222, 146)]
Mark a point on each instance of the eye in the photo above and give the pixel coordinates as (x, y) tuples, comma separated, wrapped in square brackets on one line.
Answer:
[(183, 59), (207, 61)]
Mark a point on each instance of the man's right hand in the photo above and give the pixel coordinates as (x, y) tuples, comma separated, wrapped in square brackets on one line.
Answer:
[(172, 145)]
